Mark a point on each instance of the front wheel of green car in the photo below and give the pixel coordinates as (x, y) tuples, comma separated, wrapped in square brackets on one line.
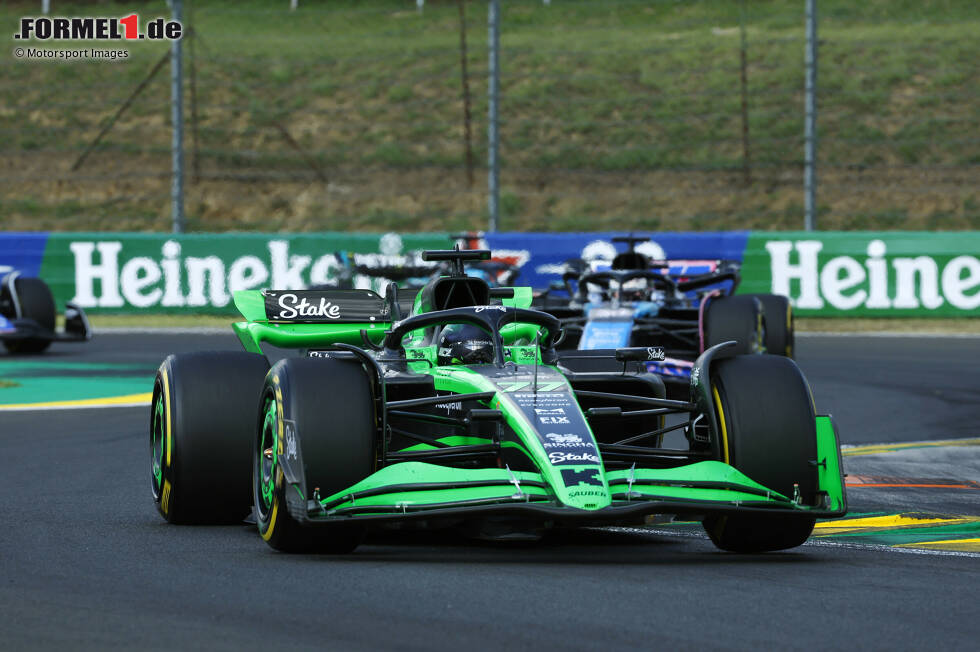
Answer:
[(768, 432), (320, 412), (276, 525)]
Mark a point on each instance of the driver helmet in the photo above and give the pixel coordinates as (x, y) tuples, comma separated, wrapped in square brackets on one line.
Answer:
[(634, 290), (464, 344)]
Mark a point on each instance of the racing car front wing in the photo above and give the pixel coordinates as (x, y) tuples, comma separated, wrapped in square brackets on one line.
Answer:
[(417, 490)]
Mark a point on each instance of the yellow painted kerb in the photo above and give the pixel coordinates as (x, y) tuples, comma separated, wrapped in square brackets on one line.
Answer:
[(889, 522), (108, 401), (874, 449), (957, 545)]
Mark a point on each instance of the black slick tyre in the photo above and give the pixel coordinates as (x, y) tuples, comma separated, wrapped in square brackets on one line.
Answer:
[(779, 323), (739, 318), (768, 432), (202, 420), (327, 407), (37, 303)]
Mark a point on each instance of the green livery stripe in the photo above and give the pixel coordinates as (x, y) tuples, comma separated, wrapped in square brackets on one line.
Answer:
[(449, 441), (830, 477), (295, 336), (420, 473)]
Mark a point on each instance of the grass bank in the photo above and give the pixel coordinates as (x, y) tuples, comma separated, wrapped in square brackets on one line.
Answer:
[(614, 115)]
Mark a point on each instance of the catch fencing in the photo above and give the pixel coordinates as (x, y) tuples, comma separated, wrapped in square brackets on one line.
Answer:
[(614, 115)]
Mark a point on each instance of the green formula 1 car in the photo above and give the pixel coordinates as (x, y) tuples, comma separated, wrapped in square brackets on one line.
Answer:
[(461, 413)]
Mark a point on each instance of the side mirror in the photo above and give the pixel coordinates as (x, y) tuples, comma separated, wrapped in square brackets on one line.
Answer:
[(641, 354)]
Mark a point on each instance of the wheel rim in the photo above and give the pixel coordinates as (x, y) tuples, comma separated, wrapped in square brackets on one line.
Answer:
[(157, 438), (268, 458), (760, 334), (789, 330)]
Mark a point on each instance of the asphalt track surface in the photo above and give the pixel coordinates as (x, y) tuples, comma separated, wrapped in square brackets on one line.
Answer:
[(86, 562)]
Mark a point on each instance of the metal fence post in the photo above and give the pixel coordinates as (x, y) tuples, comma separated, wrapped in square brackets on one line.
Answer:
[(465, 83), (744, 65), (177, 118), (493, 176), (810, 126)]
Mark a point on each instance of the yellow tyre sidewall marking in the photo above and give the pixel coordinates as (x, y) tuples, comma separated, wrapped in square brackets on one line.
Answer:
[(760, 338), (270, 530), (166, 411), (724, 428), (167, 444), (279, 427), (267, 534), (273, 518), (165, 497)]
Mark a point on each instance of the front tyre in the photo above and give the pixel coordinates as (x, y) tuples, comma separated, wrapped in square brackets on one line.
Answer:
[(779, 324), (201, 423), (320, 411), (276, 525), (740, 318), (768, 432)]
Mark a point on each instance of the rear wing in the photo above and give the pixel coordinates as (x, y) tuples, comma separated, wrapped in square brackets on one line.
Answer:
[(305, 318), (323, 306), (311, 318)]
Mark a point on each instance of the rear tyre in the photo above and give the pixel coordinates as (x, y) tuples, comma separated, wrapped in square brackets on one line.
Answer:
[(779, 323), (768, 432), (329, 404), (739, 318), (37, 303), (202, 419)]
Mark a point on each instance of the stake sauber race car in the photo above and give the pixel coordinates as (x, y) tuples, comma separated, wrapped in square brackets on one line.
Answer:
[(463, 414)]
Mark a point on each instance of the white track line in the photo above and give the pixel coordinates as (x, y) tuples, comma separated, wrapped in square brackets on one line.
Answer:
[(823, 543)]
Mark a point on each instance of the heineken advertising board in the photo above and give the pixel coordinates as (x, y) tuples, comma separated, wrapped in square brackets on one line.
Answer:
[(890, 274), (125, 272), (911, 274)]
